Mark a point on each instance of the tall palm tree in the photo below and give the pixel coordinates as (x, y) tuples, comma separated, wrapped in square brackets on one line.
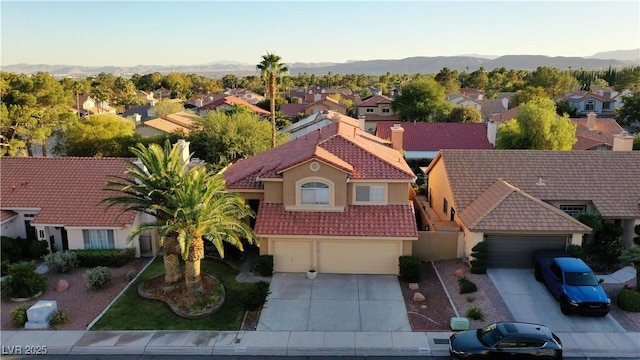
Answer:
[(203, 209), (146, 188), (270, 68)]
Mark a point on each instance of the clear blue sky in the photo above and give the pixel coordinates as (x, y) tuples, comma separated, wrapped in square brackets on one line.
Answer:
[(199, 32)]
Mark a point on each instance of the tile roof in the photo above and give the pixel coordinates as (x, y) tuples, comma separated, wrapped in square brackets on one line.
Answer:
[(292, 110), (490, 107), (503, 207), (374, 101), (609, 179), (7, 214), (67, 190), (505, 116), (435, 136), (230, 101), (367, 156), (397, 221), (576, 96), (376, 117), (315, 121), (179, 122), (140, 110), (602, 133)]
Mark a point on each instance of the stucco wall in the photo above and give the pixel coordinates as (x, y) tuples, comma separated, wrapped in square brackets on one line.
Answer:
[(439, 190), (76, 240), (436, 245), (325, 172)]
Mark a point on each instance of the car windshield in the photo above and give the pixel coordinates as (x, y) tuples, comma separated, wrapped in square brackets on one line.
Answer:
[(581, 279), (490, 335)]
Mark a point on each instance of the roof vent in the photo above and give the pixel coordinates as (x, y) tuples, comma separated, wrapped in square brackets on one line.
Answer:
[(541, 180)]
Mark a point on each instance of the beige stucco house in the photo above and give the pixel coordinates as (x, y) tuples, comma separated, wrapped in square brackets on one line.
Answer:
[(519, 201), (335, 200), (376, 109)]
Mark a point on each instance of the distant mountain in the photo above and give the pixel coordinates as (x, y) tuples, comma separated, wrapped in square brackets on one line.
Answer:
[(410, 65), (633, 54)]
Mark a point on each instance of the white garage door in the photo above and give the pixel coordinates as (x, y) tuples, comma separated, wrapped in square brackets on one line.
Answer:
[(291, 255), (517, 250), (358, 257)]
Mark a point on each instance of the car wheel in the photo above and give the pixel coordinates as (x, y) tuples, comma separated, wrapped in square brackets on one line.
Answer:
[(538, 274), (565, 307)]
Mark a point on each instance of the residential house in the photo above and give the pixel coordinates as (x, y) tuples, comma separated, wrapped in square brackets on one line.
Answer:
[(200, 100), (376, 109), (505, 116), (246, 95), (462, 100), (326, 104), (595, 134), (292, 110), (422, 140), (228, 103), (492, 107), (316, 121), (335, 200), (471, 93), (139, 113), (145, 96), (519, 201), (586, 102), (57, 200), (181, 122), (86, 104), (162, 93)]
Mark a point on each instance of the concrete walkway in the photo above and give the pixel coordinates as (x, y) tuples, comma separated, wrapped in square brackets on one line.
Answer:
[(621, 276)]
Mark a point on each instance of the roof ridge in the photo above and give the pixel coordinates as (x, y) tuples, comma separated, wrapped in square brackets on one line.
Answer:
[(495, 204)]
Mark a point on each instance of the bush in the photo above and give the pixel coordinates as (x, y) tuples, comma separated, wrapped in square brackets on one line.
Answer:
[(265, 265), (410, 268), (19, 316), (61, 262), (60, 317), (629, 300), (38, 249), (5, 267), (23, 281), (576, 251), (106, 257), (466, 285), (10, 249), (479, 264), (97, 278), (255, 298), (475, 313), (131, 274)]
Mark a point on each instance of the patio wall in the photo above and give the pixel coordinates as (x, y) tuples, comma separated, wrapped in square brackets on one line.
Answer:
[(437, 245)]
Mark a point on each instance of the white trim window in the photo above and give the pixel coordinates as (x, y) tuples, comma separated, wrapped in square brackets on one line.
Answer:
[(590, 106), (314, 193), (573, 210), (98, 239), (370, 193)]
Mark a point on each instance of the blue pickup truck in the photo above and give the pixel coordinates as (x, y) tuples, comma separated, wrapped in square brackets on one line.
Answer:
[(572, 282)]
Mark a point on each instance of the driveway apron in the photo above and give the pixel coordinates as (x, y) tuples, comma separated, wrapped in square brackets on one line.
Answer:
[(334, 302), (530, 301)]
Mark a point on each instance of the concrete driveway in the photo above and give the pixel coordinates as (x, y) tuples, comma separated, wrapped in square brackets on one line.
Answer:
[(530, 301), (334, 302)]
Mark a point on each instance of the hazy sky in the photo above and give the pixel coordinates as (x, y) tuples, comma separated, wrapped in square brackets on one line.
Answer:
[(197, 32)]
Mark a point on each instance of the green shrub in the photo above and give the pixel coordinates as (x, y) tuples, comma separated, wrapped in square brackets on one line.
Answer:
[(410, 268), (5, 267), (475, 313), (255, 298), (131, 274), (466, 285), (23, 281), (576, 251), (10, 249), (60, 317), (629, 300), (105, 257), (61, 262), (471, 298), (38, 249), (479, 263), (265, 265), (97, 278), (19, 316)]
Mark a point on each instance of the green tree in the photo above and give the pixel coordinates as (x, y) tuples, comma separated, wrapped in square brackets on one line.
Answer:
[(537, 127), (555, 81), (564, 108), (636, 145), (528, 94), (270, 69), (464, 114), (628, 115), (124, 94), (449, 80), (478, 79), (628, 79), (96, 136), (166, 107), (631, 257), (145, 189), (423, 99)]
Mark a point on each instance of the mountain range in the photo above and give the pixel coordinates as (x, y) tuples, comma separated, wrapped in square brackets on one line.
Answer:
[(411, 65)]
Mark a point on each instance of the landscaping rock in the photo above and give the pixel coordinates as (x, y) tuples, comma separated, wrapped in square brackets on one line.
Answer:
[(423, 307), (414, 286), (62, 285), (417, 297)]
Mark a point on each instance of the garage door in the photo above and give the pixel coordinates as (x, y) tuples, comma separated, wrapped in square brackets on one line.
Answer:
[(291, 255), (358, 257), (517, 251)]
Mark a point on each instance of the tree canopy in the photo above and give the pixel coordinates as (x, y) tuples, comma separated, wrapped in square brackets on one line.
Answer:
[(464, 114), (537, 127), (97, 135), (166, 107), (629, 113), (270, 69), (422, 99)]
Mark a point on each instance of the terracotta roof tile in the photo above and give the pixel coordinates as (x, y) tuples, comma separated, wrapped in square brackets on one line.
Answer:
[(67, 190), (506, 115), (230, 101), (576, 96), (292, 110), (7, 214), (436, 136), (356, 220), (374, 101), (602, 133)]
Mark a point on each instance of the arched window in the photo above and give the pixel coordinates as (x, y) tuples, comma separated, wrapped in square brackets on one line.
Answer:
[(590, 106), (315, 193)]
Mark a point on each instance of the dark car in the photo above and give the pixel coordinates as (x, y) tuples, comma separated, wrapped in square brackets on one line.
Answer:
[(506, 340)]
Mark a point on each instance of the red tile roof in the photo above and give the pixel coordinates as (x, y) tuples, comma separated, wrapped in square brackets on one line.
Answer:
[(506, 116), (436, 136), (576, 96), (7, 214), (357, 220), (602, 133), (361, 155), (230, 101), (67, 190), (374, 101), (292, 110)]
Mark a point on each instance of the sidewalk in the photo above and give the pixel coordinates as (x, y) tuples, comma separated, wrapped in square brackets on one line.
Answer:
[(283, 343)]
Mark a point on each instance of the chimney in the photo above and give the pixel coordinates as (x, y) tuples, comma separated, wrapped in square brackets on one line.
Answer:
[(492, 131), (591, 120), (396, 137), (183, 145), (137, 117), (623, 142), (152, 102), (361, 122), (541, 180), (199, 103), (505, 103)]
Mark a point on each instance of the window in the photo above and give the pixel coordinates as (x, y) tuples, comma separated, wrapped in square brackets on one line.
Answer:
[(369, 110), (370, 193), (453, 214), (98, 239), (315, 193), (445, 206), (386, 110), (573, 210), (606, 106), (589, 106)]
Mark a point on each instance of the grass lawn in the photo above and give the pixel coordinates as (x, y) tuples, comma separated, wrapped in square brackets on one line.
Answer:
[(132, 312)]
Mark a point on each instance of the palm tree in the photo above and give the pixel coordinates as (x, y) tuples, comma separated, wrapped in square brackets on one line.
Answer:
[(146, 189), (270, 68), (203, 209)]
